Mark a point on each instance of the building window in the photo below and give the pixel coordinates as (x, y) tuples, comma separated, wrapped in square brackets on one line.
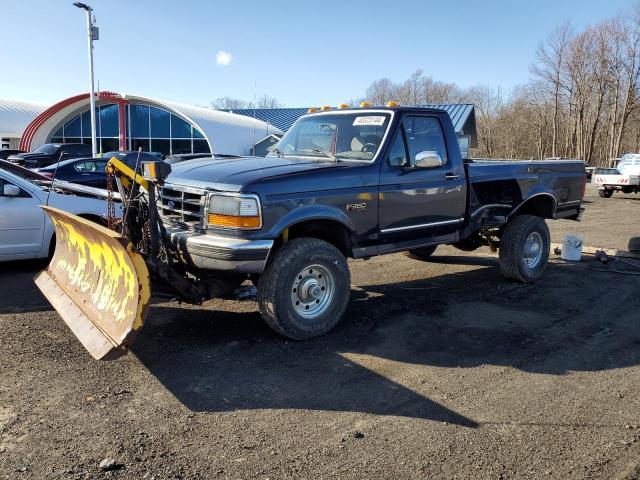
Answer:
[(108, 121), (150, 128), (157, 130), (160, 122)]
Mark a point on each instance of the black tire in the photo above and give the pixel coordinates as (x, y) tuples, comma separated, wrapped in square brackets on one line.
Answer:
[(422, 253), (605, 193), (52, 247), (514, 262), (634, 244), (277, 288)]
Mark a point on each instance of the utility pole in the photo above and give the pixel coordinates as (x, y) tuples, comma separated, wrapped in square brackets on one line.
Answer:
[(92, 33)]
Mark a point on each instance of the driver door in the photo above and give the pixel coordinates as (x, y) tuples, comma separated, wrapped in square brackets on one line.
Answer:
[(21, 223), (422, 195)]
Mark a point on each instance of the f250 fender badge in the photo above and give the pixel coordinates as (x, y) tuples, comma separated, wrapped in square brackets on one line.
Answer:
[(355, 206)]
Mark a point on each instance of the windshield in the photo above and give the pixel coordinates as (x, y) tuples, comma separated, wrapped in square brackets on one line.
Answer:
[(352, 135), (47, 148)]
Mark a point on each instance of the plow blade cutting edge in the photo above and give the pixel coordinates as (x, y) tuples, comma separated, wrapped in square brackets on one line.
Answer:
[(98, 284)]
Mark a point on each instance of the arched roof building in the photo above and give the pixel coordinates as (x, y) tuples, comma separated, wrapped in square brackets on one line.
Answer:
[(15, 115), (127, 122)]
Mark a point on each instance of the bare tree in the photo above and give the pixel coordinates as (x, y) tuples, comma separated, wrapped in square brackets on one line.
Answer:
[(583, 99), (229, 103), (549, 67), (381, 91), (265, 101), (488, 101)]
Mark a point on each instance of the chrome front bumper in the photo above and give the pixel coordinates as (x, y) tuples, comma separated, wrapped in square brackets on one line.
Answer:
[(215, 252)]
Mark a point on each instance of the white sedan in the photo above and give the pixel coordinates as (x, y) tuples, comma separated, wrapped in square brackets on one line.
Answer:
[(25, 230)]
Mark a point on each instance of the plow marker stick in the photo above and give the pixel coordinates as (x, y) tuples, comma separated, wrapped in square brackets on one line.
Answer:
[(98, 284)]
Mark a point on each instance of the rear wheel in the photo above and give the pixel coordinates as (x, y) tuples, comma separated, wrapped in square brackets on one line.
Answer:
[(305, 290), (605, 193), (524, 248), (422, 253)]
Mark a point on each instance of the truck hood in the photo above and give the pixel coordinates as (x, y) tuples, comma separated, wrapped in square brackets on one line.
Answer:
[(232, 174), (27, 156)]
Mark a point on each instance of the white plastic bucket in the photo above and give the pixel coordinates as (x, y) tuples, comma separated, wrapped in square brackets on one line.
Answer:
[(572, 248)]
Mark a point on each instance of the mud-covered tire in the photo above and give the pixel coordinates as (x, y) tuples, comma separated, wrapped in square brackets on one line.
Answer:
[(422, 253), (520, 259), (605, 192), (304, 270)]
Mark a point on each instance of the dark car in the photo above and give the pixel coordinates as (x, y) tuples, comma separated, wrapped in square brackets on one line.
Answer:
[(130, 157), (51, 153), (85, 171), (7, 152)]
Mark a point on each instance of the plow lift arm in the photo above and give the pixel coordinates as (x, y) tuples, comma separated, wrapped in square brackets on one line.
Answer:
[(99, 279)]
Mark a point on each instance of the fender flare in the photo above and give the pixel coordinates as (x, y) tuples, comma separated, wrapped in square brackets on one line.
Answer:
[(311, 212), (530, 197)]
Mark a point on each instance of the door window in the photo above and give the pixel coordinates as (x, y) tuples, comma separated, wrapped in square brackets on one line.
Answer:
[(424, 134), (398, 153), (90, 166)]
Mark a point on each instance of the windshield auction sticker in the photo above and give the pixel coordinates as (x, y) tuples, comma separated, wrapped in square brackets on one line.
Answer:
[(369, 120)]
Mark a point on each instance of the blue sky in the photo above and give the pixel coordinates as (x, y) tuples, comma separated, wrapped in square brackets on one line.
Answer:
[(303, 53)]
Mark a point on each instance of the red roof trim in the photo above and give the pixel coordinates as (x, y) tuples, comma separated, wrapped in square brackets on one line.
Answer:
[(36, 123)]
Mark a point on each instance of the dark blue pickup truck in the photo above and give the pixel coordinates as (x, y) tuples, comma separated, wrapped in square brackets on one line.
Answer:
[(358, 182)]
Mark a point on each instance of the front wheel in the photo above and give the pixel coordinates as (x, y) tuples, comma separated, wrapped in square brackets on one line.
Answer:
[(305, 289), (524, 248), (605, 193)]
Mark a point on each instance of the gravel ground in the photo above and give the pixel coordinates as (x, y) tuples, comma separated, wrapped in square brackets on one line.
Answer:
[(438, 370)]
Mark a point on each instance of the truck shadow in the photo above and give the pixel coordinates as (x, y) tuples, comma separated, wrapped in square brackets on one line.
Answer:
[(220, 361)]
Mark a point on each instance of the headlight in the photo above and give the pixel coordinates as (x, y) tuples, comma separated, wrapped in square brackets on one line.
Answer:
[(234, 211)]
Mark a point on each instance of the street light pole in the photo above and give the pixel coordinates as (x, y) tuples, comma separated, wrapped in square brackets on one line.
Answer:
[(92, 35)]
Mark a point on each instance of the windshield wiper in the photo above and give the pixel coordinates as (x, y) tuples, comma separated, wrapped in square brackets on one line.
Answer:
[(323, 152)]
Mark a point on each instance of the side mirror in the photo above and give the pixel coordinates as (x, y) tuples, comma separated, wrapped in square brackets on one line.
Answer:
[(428, 159), (10, 190)]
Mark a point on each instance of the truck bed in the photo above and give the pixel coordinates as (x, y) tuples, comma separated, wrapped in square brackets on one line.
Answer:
[(499, 187)]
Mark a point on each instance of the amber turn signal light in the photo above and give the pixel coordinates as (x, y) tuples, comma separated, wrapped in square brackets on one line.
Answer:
[(233, 221)]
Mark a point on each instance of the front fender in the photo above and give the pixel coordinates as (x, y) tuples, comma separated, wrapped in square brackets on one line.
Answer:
[(310, 212)]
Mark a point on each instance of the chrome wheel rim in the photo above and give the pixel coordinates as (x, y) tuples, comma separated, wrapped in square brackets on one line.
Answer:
[(312, 291), (533, 250)]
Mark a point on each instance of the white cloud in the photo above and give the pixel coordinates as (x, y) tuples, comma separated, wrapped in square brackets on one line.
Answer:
[(223, 58)]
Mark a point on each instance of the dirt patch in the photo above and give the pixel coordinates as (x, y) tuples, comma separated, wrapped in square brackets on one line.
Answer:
[(439, 370)]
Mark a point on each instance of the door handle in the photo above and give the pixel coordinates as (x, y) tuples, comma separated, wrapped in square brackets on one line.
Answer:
[(451, 176)]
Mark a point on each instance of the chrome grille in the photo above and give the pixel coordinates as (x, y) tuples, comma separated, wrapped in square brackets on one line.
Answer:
[(182, 207)]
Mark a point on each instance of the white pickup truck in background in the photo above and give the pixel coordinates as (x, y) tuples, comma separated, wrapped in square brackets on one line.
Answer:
[(624, 178)]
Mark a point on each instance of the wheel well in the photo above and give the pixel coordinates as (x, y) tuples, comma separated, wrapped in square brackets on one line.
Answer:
[(328, 230), (541, 205)]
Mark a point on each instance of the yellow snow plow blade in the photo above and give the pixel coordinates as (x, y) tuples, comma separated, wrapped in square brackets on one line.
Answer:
[(97, 282)]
